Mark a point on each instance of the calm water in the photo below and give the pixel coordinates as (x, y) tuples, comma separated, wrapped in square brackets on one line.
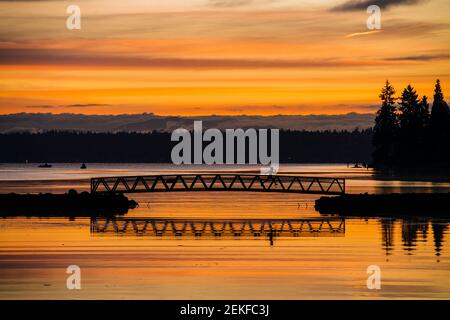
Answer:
[(118, 261)]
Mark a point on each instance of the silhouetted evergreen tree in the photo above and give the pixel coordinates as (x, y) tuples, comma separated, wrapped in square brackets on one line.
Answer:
[(410, 110), (440, 127), (413, 118), (386, 129), (409, 136), (424, 111), (439, 111)]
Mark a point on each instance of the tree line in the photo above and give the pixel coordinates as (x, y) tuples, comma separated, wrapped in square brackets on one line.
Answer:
[(407, 135), (155, 147)]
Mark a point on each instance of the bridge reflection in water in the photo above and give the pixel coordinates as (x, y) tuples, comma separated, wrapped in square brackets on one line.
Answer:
[(220, 229)]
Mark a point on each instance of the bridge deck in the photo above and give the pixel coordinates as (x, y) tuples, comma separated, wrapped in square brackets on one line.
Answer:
[(219, 182)]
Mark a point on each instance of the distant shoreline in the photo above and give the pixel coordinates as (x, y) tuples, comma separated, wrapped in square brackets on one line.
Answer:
[(386, 205), (147, 122)]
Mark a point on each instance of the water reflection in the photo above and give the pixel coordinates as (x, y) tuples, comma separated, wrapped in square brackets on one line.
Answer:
[(387, 235), (36, 251), (127, 254), (268, 229), (439, 230), (413, 231)]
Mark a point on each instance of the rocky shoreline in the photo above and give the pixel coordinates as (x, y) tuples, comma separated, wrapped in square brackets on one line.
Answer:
[(71, 204), (395, 204)]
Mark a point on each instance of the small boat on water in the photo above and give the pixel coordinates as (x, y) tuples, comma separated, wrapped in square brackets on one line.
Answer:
[(83, 166), (46, 165)]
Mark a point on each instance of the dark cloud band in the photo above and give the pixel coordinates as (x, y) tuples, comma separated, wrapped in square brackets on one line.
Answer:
[(35, 56), (353, 5)]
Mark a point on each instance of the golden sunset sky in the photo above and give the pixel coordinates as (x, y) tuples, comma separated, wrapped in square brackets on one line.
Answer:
[(192, 57)]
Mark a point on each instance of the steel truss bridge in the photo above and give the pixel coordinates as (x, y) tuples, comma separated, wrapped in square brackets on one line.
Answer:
[(236, 228), (219, 182)]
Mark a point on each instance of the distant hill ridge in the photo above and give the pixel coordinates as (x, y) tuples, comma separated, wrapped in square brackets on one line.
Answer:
[(38, 122)]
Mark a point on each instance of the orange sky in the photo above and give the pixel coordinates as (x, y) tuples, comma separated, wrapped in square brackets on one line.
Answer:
[(215, 56)]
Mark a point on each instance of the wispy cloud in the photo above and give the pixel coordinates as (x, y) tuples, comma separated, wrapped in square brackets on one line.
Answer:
[(86, 105), (421, 57), (77, 105), (357, 34), (353, 5), (42, 106), (229, 3)]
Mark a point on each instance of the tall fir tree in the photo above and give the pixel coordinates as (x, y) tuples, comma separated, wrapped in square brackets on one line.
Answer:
[(385, 129), (439, 110), (409, 108), (413, 118), (424, 111), (440, 127)]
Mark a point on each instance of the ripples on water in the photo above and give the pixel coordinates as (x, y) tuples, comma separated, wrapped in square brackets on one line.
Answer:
[(34, 252)]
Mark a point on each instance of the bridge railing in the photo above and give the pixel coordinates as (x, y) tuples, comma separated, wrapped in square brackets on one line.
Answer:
[(219, 182)]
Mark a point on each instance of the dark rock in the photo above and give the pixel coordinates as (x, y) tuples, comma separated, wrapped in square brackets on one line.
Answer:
[(70, 204), (382, 205)]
